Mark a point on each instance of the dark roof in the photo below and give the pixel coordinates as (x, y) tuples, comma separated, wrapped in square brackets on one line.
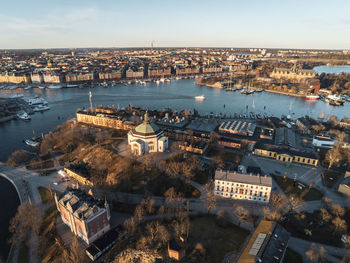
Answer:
[(253, 170), (105, 241), (276, 246), (284, 149)]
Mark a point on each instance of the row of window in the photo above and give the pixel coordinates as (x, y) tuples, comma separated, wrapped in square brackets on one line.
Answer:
[(264, 199), (241, 185), (286, 159), (240, 191)]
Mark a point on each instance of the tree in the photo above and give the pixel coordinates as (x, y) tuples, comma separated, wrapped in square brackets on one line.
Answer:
[(211, 197), (241, 213), (162, 234), (139, 212), (27, 221), (75, 253), (337, 210), (333, 156), (315, 254), (18, 157), (325, 215), (339, 225)]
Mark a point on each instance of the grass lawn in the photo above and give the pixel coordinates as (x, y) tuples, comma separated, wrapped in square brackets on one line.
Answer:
[(330, 178), (226, 156), (307, 193), (292, 256), (45, 195), (23, 254), (216, 240)]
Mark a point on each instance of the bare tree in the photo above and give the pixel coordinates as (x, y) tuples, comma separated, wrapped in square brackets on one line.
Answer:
[(75, 253), (139, 212), (339, 225), (337, 210), (163, 234), (333, 156), (313, 254), (26, 221), (325, 215), (241, 213), (211, 197), (130, 225)]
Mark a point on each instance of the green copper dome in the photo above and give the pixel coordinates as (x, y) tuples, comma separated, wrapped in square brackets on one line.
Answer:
[(147, 128)]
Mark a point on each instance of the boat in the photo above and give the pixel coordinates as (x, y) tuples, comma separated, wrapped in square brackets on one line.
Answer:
[(28, 87), (72, 86), (178, 78), (162, 79), (259, 90), (41, 87), (36, 101), (16, 96), (41, 107), (54, 87), (23, 116), (201, 97), (312, 97), (167, 80), (157, 81), (334, 100), (32, 143), (143, 83)]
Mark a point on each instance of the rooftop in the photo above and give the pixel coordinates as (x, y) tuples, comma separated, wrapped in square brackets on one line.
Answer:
[(243, 178)]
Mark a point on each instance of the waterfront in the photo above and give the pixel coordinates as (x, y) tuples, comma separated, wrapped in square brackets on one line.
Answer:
[(9, 202), (177, 95)]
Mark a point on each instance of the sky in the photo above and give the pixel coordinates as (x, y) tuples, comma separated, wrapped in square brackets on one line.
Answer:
[(307, 24)]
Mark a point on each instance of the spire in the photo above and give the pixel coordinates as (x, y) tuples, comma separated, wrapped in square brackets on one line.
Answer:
[(146, 117)]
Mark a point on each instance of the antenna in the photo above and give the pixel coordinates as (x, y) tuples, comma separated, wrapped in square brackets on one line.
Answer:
[(90, 99)]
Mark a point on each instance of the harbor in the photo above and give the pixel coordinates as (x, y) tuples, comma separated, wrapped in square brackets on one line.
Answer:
[(176, 94)]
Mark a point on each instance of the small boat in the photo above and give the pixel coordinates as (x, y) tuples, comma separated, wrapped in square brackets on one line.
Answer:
[(201, 97), (167, 80), (41, 87), (178, 78), (157, 81), (16, 96), (28, 87), (259, 90), (40, 108), (54, 87), (32, 143), (72, 86), (312, 97), (23, 116), (143, 83), (162, 79)]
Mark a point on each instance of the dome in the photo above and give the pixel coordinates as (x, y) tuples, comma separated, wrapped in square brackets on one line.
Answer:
[(147, 128)]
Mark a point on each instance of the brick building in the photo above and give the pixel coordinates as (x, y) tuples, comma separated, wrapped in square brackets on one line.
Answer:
[(87, 217)]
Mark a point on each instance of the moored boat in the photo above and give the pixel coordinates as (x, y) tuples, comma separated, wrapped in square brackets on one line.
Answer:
[(31, 143), (312, 97), (201, 97)]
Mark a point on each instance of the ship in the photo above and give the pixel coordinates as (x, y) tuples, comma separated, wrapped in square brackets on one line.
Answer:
[(312, 97), (334, 100), (23, 116), (201, 97), (41, 107)]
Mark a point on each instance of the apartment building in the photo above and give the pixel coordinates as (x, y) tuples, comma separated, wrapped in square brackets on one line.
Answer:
[(250, 187)]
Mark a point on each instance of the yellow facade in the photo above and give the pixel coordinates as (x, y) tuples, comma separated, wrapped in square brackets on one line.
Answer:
[(104, 121), (286, 157)]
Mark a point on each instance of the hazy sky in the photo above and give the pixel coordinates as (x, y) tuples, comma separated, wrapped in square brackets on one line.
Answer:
[(235, 23)]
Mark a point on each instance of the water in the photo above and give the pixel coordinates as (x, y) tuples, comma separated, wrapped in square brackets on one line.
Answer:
[(9, 202), (332, 69), (177, 95)]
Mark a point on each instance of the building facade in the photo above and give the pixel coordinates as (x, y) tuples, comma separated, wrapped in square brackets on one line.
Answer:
[(87, 217), (293, 73), (242, 186), (147, 138)]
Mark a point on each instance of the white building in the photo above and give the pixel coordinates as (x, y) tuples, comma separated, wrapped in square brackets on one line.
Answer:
[(323, 142), (242, 186), (147, 138)]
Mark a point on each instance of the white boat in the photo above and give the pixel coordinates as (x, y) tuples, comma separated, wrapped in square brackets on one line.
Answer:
[(162, 79), (28, 87), (41, 87), (54, 87), (32, 143), (143, 83), (177, 78), (72, 86), (157, 81), (167, 80), (312, 97), (36, 101), (201, 97), (16, 96), (41, 107), (23, 116)]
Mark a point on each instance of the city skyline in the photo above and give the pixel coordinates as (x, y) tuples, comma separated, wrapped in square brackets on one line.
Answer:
[(268, 24)]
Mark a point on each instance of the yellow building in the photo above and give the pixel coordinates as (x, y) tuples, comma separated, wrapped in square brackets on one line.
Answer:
[(80, 178), (293, 73), (104, 120), (285, 154), (14, 78)]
